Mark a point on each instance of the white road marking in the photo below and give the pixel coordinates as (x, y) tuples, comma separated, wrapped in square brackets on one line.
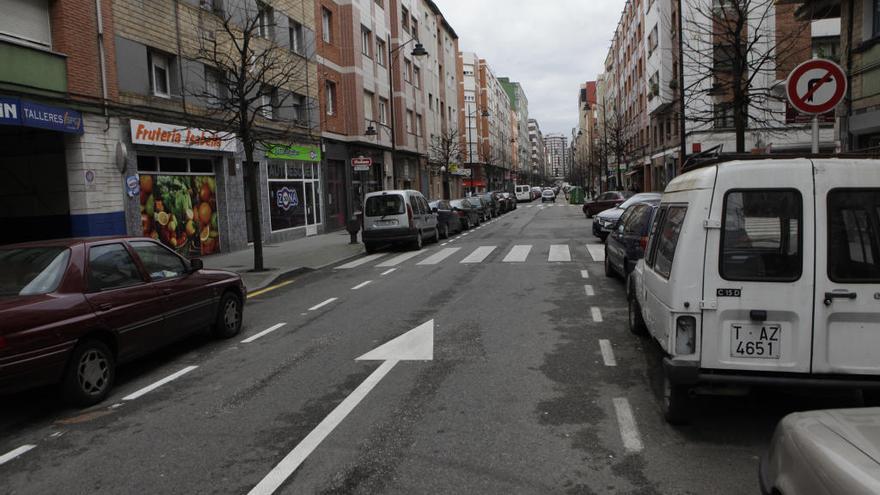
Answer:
[(466, 233), (559, 252), (12, 454), (588, 290), (154, 386), (597, 251), (439, 256), (479, 254), (386, 272), (114, 406), (263, 333), (585, 274), (361, 261), (445, 243), (607, 352), (321, 305), (597, 314), (629, 433), (518, 254), (399, 259), (362, 285)]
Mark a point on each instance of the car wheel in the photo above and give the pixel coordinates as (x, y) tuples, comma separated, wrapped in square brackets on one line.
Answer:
[(436, 237), (418, 243), (609, 270), (635, 321), (228, 322), (90, 373), (444, 232), (676, 402)]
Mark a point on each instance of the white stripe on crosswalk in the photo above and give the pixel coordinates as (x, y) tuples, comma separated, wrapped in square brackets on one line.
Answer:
[(597, 251), (399, 259), (362, 261), (479, 254), (518, 254), (439, 256), (559, 252)]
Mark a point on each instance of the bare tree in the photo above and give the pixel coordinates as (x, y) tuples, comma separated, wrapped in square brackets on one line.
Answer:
[(733, 53), (255, 87), (444, 150)]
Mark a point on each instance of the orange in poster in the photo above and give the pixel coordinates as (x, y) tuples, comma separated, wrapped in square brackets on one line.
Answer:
[(205, 213), (205, 193), (147, 184)]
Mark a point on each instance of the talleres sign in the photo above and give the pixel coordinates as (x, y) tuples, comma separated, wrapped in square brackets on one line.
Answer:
[(176, 136)]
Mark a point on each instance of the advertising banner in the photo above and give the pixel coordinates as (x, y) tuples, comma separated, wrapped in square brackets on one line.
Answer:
[(177, 136), (294, 152), (181, 212), (14, 111)]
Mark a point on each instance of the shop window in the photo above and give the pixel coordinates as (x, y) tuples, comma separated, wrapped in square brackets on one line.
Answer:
[(147, 163), (173, 165), (201, 166), (291, 185)]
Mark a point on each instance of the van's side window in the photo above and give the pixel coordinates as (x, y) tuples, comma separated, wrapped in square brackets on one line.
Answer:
[(668, 240), (761, 236), (854, 235), (655, 232)]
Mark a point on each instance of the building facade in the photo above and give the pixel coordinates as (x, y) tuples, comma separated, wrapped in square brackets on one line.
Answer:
[(537, 153), (520, 142), (556, 145)]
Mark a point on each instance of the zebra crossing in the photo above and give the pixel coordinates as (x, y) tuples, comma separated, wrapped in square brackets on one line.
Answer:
[(520, 253)]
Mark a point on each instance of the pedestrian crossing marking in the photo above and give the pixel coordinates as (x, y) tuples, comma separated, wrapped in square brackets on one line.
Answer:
[(399, 259), (361, 261), (439, 256), (479, 254), (518, 254), (559, 252), (597, 252)]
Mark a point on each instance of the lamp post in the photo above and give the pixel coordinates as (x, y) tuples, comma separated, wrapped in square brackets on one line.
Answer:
[(471, 114), (418, 51)]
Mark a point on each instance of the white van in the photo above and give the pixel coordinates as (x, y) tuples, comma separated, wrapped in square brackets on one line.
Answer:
[(764, 272), (523, 193), (402, 216)]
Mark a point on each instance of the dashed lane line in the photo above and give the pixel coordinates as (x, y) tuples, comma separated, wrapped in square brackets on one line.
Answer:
[(585, 274), (12, 454), (607, 352), (362, 285), (588, 290), (361, 261), (386, 272), (263, 333), (597, 314), (629, 432), (321, 305), (157, 384)]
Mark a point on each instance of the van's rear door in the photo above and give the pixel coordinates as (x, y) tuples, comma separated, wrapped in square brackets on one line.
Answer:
[(758, 289), (847, 327)]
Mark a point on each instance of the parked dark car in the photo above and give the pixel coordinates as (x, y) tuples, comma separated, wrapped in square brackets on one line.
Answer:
[(604, 201), (468, 215), (626, 245), (606, 221), (447, 220), (480, 205), (511, 199), (73, 309), (536, 192), (492, 206), (503, 203)]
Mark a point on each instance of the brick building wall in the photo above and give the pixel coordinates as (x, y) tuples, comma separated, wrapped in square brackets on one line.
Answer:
[(75, 33)]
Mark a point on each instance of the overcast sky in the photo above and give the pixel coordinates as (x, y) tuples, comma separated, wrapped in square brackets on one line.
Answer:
[(551, 47)]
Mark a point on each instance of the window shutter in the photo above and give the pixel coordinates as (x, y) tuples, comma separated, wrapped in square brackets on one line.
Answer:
[(26, 20)]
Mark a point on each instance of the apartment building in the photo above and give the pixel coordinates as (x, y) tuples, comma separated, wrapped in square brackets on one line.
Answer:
[(537, 153), (556, 145), (585, 137), (520, 143), (496, 149)]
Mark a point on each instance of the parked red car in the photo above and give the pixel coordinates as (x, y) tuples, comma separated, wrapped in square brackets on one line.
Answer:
[(72, 309), (604, 201)]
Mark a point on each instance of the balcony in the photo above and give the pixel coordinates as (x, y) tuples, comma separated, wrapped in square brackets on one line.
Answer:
[(26, 68)]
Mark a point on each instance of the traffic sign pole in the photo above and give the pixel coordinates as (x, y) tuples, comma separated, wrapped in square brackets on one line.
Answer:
[(815, 134)]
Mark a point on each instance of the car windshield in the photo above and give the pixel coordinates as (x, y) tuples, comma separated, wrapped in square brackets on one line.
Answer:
[(30, 271), (386, 204), (637, 198)]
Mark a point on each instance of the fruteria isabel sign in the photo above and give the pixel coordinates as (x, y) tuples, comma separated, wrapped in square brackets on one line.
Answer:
[(176, 136), (294, 152)]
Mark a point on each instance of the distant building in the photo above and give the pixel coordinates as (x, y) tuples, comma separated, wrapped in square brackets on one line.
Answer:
[(557, 154), (538, 153)]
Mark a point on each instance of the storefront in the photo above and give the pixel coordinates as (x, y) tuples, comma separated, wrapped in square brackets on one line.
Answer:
[(179, 199), (294, 189)]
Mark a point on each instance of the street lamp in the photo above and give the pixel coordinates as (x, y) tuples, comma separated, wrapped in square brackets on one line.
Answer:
[(418, 51), (472, 114)]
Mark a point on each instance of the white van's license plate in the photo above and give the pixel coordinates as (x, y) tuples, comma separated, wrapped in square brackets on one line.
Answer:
[(755, 341)]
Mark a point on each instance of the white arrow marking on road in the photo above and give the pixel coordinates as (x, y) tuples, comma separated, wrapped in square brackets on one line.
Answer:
[(415, 345)]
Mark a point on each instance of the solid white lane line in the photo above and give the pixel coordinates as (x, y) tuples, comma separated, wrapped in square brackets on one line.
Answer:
[(585, 274), (607, 352), (559, 252), (400, 259), (154, 386), (588, 290), (439, 256), (279, 474), (597, 314), (597, 251), (12, 454), (360, 261), (479, 254), (629, 433), (386, 272), (321, 305), (263, 333), (362, 285), (518, 254)]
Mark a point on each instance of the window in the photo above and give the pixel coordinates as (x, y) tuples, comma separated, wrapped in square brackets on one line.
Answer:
[(380, 4), (761, 236), (265, 20), (214, 85), (410, 124), (383, 110), (404, 19), (380, 51), (295, 34), (368, 105), (160, 75), (854, 235), (215, 6), (30, 271), (652, 41), (158, 260), (268, 102), (366, 42), (668, 240), (326, 25), (417, 77), (723, 113), (387, 204), (26, 21), (408, 71), (415, 28), (111, 267), (418, 124), (330, 97), (430, 101)]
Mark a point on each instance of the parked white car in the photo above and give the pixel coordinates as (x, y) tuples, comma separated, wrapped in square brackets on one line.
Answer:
[(523, 193), (402, 216), (764, 272)]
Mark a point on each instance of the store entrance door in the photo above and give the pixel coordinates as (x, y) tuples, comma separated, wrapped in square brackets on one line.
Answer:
[(335, 199)]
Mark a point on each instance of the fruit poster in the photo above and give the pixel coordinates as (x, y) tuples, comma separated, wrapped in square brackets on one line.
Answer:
[(181, 212)]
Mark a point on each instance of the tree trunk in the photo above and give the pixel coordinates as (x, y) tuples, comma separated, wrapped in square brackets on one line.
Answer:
[(256, 224)]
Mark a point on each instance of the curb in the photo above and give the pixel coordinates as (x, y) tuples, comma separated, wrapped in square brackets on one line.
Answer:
[(284, 273)]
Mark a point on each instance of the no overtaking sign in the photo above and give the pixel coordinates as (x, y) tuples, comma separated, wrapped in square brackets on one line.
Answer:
[(816, 86)]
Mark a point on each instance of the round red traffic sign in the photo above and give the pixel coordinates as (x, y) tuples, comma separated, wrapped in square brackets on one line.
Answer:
[(816, 86)]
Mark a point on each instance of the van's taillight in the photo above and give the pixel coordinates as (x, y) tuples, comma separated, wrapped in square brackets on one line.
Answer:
[(643, 243), (409, 215), (685, 335)]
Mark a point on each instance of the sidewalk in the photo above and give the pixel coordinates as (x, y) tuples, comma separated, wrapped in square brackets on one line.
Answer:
[(309, 253)]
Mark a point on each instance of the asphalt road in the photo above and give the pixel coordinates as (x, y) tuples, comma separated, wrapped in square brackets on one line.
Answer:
[(519, 396)]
